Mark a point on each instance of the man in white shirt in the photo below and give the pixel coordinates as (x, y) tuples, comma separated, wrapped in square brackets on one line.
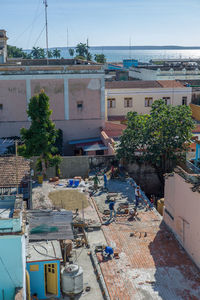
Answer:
[(137, 196)]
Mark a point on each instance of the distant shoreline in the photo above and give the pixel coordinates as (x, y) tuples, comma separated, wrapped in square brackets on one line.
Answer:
[(138, 47)]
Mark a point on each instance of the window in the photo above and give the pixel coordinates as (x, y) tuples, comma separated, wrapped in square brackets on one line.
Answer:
[(128, 102), (111, 103), (34, 268), (167, 100), (80, 105), (1, 106), (148, 101), (184, 100)]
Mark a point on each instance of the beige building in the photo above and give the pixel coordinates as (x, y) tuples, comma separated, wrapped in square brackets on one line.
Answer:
[(125, 96)]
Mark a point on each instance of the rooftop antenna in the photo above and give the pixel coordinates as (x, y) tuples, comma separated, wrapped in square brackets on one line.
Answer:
[(87, 49), (129, 47), (46, 25)]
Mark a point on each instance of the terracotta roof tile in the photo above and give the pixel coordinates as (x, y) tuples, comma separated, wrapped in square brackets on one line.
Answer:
[(170, 84), (113, 130), (135, 84), (8, 170)]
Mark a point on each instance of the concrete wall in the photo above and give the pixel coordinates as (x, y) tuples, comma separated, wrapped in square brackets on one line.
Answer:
[(138, 98), (64, 90), (145, 176), (77, 165), (195, 111), (181, 214)]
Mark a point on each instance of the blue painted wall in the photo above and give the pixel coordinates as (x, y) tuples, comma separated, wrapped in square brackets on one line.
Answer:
[(127, 63), (11, 266), (37, 278)]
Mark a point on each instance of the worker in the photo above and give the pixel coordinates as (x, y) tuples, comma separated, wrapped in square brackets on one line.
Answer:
[(96, 181), (105, 179), (133, 213), (112, 209), (108, 252), (137, 196), (35, 297)]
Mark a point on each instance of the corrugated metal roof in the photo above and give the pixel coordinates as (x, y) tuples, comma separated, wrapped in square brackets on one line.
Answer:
[(60, 219), (95, 147)]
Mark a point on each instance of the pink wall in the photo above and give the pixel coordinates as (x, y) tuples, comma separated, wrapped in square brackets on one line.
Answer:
[(13, 98), (54, 88), (184, 205), (88, 91)]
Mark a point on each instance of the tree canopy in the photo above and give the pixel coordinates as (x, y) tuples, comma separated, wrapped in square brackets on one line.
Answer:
[(71, 52), (15, 52), (82, 51), (162, 137), (56, 53), (40, 138), (37, 53), (100, 58)]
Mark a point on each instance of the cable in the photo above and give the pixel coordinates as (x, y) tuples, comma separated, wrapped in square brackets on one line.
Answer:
[(47, 255), (39, 35), (34, 19)]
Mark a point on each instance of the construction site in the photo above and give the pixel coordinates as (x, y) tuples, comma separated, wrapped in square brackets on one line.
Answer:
[(93, 238)]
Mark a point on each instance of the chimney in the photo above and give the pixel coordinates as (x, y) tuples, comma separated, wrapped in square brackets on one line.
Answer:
[(3, 46)]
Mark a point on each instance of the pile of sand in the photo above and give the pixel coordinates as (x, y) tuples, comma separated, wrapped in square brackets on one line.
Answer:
[(69, 199)]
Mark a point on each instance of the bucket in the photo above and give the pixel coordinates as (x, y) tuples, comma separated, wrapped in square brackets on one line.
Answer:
[(40, 179)]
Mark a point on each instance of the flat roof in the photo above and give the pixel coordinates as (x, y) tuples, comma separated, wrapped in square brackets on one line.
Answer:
[(74, 142), (95, 147), (144, 84), (45, 250)]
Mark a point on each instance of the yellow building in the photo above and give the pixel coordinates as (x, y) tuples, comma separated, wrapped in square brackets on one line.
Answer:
[(125, 96)]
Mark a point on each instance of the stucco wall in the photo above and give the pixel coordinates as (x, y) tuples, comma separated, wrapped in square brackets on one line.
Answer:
[(12, 267), (54, 88), (195, 111), (184, 206), (138, 99), (89, 92), (13, 98)]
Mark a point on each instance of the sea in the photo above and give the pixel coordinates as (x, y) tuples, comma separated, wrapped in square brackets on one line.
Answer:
[(117, 55)]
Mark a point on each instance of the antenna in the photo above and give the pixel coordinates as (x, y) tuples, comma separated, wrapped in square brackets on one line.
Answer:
[(87, 49), (46, 24), (129, 47)]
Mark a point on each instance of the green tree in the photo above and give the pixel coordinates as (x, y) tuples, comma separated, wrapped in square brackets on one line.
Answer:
[(71, 52), (56, 53), (13, 51), (100, 58), (50, 54), (38, 53), (82, 51), (161, 138), (40, 138)]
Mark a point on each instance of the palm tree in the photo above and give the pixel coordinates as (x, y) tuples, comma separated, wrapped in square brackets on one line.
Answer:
[(71, 52), (38, 53), (56, 53), (50, 54)]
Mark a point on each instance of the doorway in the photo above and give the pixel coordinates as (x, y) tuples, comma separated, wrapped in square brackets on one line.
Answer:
[(51, 279)]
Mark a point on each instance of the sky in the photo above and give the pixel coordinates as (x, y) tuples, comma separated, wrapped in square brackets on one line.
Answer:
[(103, 22)]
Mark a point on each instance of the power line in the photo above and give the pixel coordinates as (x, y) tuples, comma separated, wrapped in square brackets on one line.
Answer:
[(39, 35)]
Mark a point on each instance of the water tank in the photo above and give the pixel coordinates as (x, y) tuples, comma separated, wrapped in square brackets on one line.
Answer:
[(72, 279)]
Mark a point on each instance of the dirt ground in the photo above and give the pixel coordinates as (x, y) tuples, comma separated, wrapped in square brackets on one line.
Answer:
[(69, 199)]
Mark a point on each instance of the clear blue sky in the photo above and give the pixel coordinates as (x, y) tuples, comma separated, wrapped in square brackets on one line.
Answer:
[(104, 22)]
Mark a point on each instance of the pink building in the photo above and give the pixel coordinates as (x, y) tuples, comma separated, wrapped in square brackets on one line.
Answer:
[(182, 209), (76, 94)]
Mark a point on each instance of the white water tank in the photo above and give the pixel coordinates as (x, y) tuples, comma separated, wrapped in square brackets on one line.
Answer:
[(72, 279)]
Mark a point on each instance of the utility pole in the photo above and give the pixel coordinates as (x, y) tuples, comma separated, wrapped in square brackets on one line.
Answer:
[(87, 49), (46, 24), (16, 164)]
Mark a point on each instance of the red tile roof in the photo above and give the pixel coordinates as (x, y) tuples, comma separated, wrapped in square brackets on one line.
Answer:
[(113, 130), (170, 84), (196, 129), (8, 170), (132, 84), (151, 263)]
